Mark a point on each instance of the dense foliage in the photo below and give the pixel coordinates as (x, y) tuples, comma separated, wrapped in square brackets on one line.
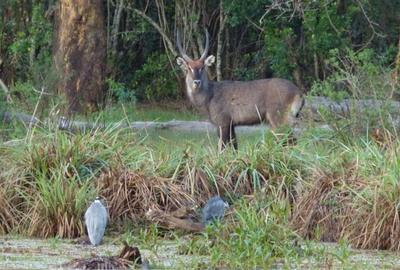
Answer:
[(309, 42)]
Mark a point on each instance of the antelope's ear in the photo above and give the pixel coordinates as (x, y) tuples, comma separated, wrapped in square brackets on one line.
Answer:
[(209, 60)]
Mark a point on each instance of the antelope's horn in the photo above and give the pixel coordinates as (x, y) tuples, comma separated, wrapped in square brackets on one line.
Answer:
[(206, 47), (181, 51)]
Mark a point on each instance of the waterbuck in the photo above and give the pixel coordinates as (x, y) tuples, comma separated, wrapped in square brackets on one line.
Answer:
[(232, 103)]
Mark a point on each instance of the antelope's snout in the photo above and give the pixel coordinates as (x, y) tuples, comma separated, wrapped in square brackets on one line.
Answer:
[(196, 84)]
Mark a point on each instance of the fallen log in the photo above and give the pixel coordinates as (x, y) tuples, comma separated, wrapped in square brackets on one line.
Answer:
[(312, 110), (66, 124), (169, 221), (345, 107), (15, 116)]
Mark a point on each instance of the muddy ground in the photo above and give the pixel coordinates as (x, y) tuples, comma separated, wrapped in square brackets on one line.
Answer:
[(23, 253)]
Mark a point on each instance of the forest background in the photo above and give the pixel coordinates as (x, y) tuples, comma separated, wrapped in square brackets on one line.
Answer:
[(122, 51)]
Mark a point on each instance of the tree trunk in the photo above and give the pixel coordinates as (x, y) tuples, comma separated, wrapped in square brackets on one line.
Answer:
[(220, 41), (115, 26), (80, 53)]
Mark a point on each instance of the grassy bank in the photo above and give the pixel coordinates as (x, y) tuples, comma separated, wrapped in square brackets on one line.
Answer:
[(331, 185)]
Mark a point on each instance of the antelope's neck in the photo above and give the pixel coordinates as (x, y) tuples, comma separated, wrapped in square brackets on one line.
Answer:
[(199, 97)]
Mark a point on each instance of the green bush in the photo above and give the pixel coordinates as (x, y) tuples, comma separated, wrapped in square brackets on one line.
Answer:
[(24, 93), (120, 92), (31, 49), (354, 74), (156, 80)]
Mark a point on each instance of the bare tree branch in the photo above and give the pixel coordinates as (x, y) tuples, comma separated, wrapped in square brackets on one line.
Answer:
[(371, 23), (255, 25), (170, 44), (164, 26)]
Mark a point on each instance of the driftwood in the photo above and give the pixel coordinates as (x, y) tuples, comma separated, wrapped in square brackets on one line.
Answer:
[(311, 111), (21, 117), (169, 221), (65, 124)]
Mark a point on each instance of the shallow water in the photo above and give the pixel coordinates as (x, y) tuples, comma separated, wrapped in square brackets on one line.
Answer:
[(23, 253)]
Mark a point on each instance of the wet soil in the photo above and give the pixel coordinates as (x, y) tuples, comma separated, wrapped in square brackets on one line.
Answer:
[(23, 253)]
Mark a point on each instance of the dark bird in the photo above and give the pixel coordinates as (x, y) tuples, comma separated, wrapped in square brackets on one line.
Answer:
[(96, 217), (214, 209)]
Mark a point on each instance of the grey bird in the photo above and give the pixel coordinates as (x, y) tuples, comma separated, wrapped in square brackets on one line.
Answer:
[(214, 209), (96, 217)]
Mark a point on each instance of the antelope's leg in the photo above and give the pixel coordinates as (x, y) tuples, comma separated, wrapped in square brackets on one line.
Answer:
[(284, 123), (226, 136), (221, 145), (232, 137), (277, 118)]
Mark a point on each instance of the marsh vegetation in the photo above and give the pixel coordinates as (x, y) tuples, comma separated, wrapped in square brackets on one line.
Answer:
[(338, 181), (335, 185)]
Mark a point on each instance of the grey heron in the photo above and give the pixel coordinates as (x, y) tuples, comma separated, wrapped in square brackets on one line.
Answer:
[(96, 217), (214, 209)]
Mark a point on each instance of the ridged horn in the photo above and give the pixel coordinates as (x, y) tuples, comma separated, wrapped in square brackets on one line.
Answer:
[(181, 51), (206, 47)]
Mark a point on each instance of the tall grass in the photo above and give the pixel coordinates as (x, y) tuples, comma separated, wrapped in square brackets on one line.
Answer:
[(257, 236), (53, 177), (355, 199), (329, 185)]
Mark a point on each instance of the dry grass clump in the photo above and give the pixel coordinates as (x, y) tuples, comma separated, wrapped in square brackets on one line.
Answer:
[(8, 210), (334, 206), (382, 137), (13, 212), (376, 224), (130, 194), (322, 207), (201, 184), (10, 200), (376, 221)]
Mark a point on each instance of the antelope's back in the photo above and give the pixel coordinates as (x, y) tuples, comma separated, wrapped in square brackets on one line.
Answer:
[(278, 90), (247, 102), (253, 91)]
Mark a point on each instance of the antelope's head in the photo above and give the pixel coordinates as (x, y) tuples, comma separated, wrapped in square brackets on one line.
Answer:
[(195, 70)]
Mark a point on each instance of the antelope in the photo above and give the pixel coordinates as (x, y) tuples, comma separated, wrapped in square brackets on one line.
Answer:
[(233, 103)]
